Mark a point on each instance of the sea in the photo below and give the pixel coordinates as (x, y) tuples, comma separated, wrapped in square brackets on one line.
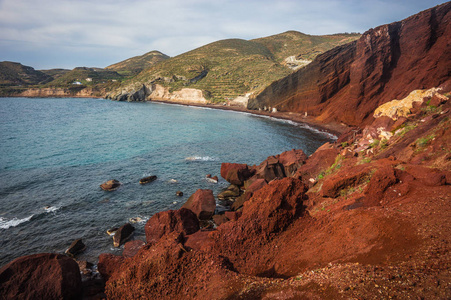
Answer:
[(55, 152)]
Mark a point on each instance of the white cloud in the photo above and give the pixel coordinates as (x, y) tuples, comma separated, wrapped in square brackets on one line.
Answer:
[(106, 31)]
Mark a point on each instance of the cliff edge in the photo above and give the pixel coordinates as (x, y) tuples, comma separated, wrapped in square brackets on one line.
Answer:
[(347, 83)]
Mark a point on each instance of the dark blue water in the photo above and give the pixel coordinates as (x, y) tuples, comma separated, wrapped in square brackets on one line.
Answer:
[(54, 154)]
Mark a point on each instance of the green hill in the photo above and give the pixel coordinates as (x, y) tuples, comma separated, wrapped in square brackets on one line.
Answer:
[(228, 68), (134, 65), (16, 74), (303, 46), (55, 73), (85, 76)]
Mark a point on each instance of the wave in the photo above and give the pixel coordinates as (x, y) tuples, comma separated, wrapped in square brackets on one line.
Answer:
[(49, 209), (5, 223), (200, 158)]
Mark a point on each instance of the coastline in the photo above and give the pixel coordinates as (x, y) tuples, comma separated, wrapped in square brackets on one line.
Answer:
[(335, 129)]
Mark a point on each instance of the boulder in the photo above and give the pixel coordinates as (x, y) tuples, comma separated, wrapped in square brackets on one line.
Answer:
[(181, 221), (147, 179), (110, 185), (231, 192), (41, 276), (123, 234), (236, 173), (179, 193), (132, 247), (382, 179), (220, 219), (76, 247), (256, 185), (291, 160), (271, 169), (238, 203), (202, 203), (108, 264), (332, 185)]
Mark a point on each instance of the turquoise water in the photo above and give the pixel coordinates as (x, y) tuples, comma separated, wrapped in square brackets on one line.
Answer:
[(54, 154)]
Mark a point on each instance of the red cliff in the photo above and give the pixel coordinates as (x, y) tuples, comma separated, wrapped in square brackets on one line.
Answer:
[(347, 83)]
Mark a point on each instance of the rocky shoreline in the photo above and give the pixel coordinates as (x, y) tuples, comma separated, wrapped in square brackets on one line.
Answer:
[(383, 191), (365, 217)]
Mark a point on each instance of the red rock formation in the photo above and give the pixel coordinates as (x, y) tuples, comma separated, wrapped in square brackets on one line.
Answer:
[(347, 83), (41, 276), (235, 173), (202, 203), (181, 221)]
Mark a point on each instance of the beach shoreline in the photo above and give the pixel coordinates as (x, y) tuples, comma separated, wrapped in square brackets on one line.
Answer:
[(335, 129)]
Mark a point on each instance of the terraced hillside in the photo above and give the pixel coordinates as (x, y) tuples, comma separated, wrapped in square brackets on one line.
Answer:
[(228, 68), (85, 76), (134, 65)]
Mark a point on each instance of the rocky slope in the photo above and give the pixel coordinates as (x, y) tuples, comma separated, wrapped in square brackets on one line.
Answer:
[(365, 217), (347, 83)]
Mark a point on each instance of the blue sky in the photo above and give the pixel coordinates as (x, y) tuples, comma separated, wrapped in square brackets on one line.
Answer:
[(48, 34)]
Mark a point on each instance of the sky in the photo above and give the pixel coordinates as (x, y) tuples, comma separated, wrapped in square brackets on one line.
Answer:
[(46, 34)]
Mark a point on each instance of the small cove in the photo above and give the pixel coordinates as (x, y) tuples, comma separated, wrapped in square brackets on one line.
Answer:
[(54, 154)]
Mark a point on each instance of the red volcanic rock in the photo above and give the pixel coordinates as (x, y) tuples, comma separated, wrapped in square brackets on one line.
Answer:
[(233, 215), (202, 203), (180, 221), (334, 184), (108, 264), (282, 165), (347, 83), (220, 219), (238, 203), (274, 206), (383, 178), (318, 162), (256, 185), (132, 247), (41, 276), (235, 173)]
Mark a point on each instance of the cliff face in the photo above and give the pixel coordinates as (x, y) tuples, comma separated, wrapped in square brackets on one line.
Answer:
[(63, 92), (347, 83)]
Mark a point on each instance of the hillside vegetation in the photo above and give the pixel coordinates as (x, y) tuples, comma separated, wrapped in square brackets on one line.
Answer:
[(12, 73), (134, 65), (228, 68), (85, 76)]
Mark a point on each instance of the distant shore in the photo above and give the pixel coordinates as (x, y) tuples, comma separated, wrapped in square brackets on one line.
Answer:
[(333, 128)]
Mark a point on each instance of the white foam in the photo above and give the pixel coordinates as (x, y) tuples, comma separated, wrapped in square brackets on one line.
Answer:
[(5, 223), (200, 158), (49, 209)]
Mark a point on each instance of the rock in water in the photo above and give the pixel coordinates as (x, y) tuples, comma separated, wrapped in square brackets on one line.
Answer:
[(123, 234), (179, 193), (110, 185), (41, 276), (202, 203), (148, 179), (76, 247)]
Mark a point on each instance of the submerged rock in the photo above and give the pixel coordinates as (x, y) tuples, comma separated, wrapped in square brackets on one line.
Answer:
[(110, 185), (148, 179)]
